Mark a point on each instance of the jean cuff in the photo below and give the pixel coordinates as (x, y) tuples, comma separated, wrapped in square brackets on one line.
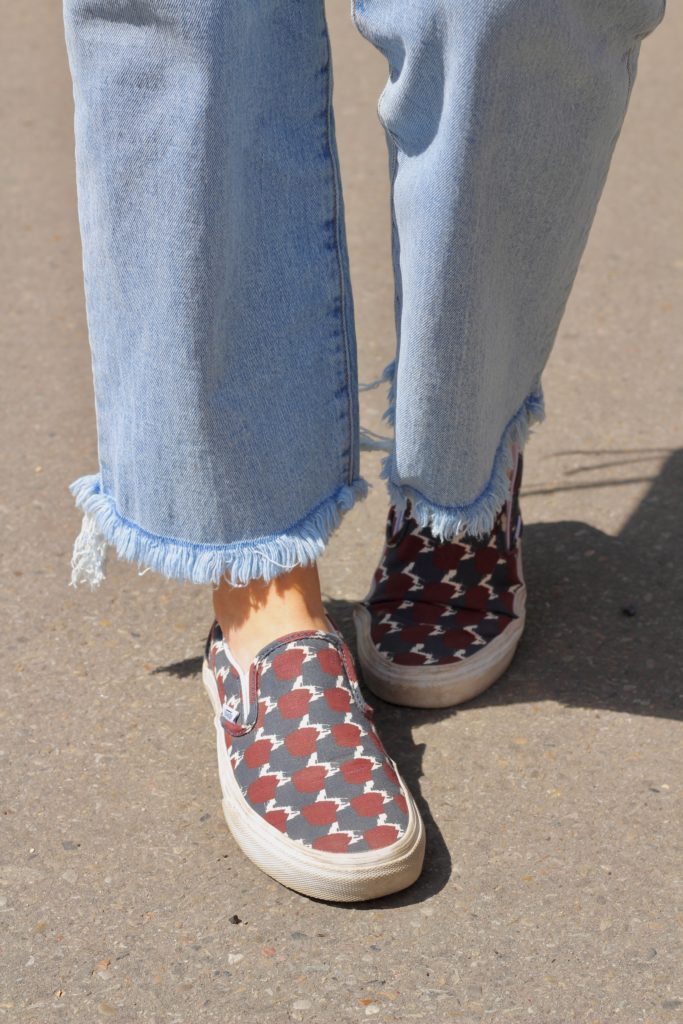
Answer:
[(476, 518), (245, 560)]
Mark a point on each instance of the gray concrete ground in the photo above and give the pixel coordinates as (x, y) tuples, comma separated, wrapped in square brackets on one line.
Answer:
[(553, 802)]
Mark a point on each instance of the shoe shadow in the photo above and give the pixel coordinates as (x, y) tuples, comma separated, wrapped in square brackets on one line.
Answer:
[(605, 614), (604, 631), (179, 669)]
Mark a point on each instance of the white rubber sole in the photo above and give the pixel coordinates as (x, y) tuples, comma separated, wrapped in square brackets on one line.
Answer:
[(343, 877), (436, 686)]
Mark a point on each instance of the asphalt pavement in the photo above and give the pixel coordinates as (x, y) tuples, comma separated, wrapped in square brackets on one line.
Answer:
[(551, 891)]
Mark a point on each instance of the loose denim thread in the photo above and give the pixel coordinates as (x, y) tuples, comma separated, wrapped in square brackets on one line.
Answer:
[(263, 558), (370, 441), (477, 517), (389, 375)]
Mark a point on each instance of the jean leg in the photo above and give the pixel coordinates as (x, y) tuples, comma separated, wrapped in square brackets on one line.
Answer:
[(217, 288), (501, 117)]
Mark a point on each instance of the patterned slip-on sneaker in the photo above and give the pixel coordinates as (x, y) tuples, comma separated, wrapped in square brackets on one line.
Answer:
[(309, 792), (442, 620)]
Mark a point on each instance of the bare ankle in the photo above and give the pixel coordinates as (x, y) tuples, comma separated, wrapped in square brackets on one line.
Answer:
[(253, 615)]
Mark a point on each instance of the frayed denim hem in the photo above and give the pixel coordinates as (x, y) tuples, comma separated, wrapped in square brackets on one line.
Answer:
[(477, 517), (263, 558)]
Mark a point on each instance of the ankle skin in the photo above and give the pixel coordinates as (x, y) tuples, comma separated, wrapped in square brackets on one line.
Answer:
[(253, 615)]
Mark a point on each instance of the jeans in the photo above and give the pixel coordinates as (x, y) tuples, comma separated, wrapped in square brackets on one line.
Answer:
[(216, 270)]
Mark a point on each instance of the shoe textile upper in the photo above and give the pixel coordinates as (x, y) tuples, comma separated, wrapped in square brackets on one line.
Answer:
[(433, 602), (303, 747)]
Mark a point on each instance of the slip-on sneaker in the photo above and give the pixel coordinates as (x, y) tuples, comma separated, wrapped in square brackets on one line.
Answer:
[(309, 792), (442, 620)]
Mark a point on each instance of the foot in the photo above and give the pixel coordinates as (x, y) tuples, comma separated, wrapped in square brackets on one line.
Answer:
[(309, 792), (442, 620)]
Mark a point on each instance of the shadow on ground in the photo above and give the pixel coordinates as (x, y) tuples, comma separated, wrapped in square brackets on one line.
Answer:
[(605, 614), (603, 631)]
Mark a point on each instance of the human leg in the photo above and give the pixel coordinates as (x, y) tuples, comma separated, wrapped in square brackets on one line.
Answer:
[(219, 308), (221, 327), (501, 118)]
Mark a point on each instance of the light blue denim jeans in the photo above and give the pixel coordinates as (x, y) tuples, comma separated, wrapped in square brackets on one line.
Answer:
[(216, 271)]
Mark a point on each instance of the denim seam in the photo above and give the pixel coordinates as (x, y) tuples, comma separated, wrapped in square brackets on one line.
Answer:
[(391, 369), (389, 372), (356, 22), (629, 66), (336, 189), (631, 52)]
